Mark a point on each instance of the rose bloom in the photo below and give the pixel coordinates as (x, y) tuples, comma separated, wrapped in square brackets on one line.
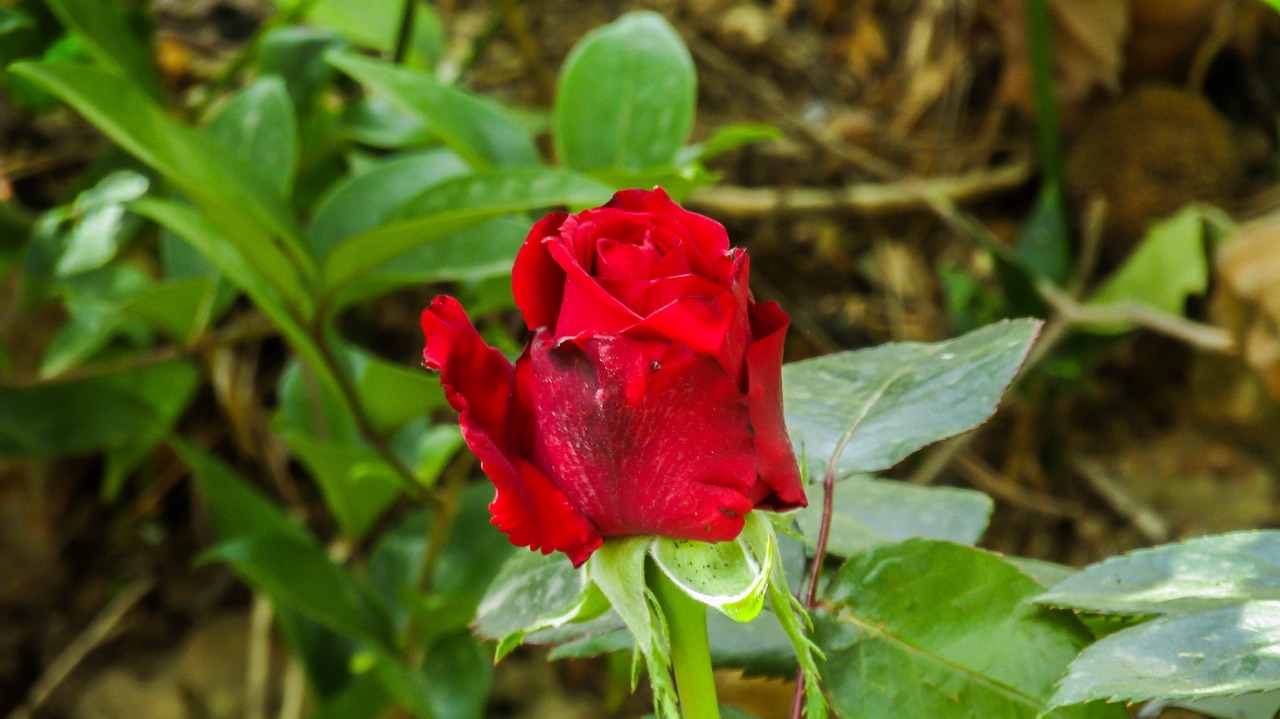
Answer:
[(649, 397)]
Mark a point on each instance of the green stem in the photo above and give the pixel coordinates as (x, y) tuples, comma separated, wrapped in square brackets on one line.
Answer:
[(690, 654), (1040, 47)]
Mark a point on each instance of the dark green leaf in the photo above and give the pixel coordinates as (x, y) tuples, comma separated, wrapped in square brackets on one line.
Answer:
[(105, 31), (244, 208), (1044, 245), (297, 574), (1199, 574), (454, 205), (478, 129), (867, 512), (1216, 653), (626, 96), (259, 126), (296, 54), (366, 201), (528, 589), (927, 628), (459, 672), (110, 411), (361, 698), (236, 509), (866, 410)]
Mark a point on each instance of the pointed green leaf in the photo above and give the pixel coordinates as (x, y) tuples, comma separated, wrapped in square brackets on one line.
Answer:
[(110, 411), (867, 512), (105, 31), (617, 568), (866, 410), (252, 217), (929, 628), (478, 129), (1198, 574), (1216, 653), (454, 205)]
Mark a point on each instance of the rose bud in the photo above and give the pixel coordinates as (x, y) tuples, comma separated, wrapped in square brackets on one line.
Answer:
[(649, 397)]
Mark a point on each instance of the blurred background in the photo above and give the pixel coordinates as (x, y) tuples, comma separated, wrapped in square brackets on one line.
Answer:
[(899, 170)]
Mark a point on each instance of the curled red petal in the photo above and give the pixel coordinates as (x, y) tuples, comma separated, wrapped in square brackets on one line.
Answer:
[(645, 437), (536, 279), (783, 488), (481, 385)]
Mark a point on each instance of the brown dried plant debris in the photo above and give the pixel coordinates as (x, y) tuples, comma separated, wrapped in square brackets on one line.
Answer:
[(1247, 297), (1148, 155), (1088, 45)]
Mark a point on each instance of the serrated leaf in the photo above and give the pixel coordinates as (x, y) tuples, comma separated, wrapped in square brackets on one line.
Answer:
[(871, 408), (1204, 573), (867, 512), (1215, 653), (532, 592), (625, 97), (618, 569), (929, 628), (1264, 705), (478, 129), (728, 576)]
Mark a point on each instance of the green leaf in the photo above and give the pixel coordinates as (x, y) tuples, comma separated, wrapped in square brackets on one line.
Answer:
[(1264, 705), (482, 252), (454, 205), (728, 576), (1205, 573), (866, 410), (105, 412), (373, 23), (867, 512), (1044, 245), (362, 698), (1169, 266), (533, 592), (357, 483), (180, 309), (259, 126), (626, 96), (366, 201), (478, 129), (240, 269), (296, 54), (107, 36), (229, 193), (100, 229), (929, 628), (236, 509), (1216, 653), (458, 655), (297, 574), (618, 569), (728, 138)]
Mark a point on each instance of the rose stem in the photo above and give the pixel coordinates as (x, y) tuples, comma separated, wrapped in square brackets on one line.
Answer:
[(690, 655)]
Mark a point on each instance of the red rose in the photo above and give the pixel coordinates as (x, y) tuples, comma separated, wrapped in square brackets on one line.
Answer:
[(649, 399)]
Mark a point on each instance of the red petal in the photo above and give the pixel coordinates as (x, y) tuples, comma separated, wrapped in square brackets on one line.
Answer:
[(481, 384), (536, 280), (644, 437), (783, 489), (587, 306), (709, 236)]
